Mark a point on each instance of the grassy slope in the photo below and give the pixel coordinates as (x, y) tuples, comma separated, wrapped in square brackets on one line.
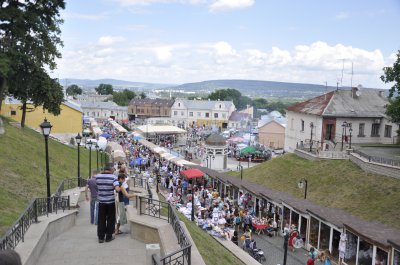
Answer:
[(210, 249), (333, 183), (23, 169)]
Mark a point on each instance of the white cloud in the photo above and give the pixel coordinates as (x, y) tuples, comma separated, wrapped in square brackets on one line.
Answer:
[(83, 16), (109, 40), (153, 61), (223, 5), (342, 15), (149, 2)]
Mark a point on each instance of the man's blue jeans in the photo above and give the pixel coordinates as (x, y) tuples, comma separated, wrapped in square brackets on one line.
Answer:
[(94, 211)]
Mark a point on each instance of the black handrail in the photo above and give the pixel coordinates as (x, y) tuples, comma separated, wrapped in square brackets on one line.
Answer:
[(37, 207), (378, 159), (181, 256)]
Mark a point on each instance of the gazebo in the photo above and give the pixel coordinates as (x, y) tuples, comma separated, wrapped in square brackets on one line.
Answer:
[(216, 152)]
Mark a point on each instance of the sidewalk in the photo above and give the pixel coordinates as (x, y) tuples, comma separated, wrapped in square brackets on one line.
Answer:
[(79, 245)]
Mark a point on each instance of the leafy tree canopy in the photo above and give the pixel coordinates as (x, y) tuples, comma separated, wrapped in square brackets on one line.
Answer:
[(124, 97), (142, 95), (104, 89), (74, 90), (392, 74), (29, 41)]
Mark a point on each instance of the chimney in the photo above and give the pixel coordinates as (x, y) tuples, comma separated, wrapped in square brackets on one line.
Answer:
[(353, 92)]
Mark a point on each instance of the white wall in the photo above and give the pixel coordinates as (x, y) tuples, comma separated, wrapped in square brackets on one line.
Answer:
[(294, 133)]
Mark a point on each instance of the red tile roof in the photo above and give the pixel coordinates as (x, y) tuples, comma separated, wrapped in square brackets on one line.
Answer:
[(315, 106)]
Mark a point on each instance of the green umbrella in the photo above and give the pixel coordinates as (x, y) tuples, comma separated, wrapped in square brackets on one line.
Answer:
[(248, 149)]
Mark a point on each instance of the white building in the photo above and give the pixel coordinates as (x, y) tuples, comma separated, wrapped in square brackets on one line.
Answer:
[(202, 112), (353, 116), (104, 110)]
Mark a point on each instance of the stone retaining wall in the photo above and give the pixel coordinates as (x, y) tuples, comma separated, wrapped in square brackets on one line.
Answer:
[(372, 167)]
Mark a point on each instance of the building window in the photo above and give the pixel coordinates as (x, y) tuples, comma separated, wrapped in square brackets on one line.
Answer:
[(179, 104), (190, 114), (361, 130), (223, 115), (175, 113), (219, 105), (98, 114), (388, 131), (182, 113), (375, 130), (198, 114), (215, 115), (302, 125), (207, 115), (13, 113)]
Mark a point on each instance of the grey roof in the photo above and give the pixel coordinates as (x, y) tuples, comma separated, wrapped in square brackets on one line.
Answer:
[(101, 105), (344, 103), (73, 105), (265, 120), (215, 139), (239, 116), (150, 101), (204, 104)]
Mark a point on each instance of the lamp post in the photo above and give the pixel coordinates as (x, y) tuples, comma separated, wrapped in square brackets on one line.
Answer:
[(46, 129), (97, 155), (101, 158), (303, 184), (350, 131), (248, 161), (311, 142), (240, 167), (344, 125), (90, 157), (78, 139)]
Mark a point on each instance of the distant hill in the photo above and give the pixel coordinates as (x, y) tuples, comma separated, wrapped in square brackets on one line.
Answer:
[(114, 82), (259, 88)]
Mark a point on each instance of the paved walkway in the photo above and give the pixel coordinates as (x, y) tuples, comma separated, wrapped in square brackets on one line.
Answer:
[(79, 245), (273, 251)]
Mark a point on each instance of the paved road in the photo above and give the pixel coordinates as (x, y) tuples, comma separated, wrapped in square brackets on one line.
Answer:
[(79, 245)]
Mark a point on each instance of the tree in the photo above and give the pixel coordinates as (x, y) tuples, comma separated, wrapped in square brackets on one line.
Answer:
[(124, 97), (104, 89), (142, 95), (392, 74), (29, 41), (73, 90)]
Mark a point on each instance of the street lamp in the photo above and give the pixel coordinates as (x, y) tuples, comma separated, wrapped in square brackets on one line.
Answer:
[(240, 167), (90, 157), (350, 131), (311, 142), (206, 159), (46, 129), (303, 184), (78, 139), (344, 125), (248, 161), (97, 155)]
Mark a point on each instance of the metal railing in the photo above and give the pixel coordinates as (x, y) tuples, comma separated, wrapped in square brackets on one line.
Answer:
[(37, 207), (71, 183), (155, 208), (379, 160), (138, 182)]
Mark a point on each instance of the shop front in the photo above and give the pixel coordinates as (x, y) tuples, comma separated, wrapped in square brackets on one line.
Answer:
[(296, 220), (324, 235)]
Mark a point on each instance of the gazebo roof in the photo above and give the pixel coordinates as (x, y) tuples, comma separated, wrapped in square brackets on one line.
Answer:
[(216, 139)]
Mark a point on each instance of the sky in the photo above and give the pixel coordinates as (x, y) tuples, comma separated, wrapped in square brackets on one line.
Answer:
[(182, 41)]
